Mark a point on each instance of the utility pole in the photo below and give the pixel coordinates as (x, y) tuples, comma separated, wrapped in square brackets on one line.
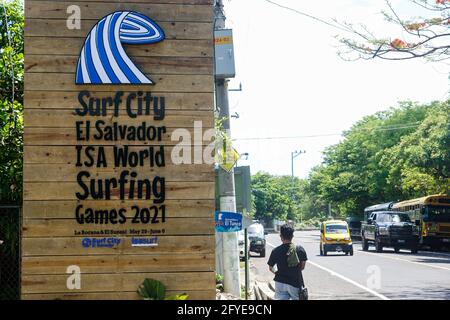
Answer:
[(230, 247), (294, 155)]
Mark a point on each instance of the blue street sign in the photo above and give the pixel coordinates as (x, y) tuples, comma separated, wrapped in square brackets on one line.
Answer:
[(228, 221)]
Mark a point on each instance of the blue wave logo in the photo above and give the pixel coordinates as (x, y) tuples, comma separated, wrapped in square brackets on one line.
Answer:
[(103, 59)]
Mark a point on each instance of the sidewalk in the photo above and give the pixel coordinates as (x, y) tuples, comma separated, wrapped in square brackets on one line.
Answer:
[(251, 289), (264, 290), (260, 290), (252, 281)]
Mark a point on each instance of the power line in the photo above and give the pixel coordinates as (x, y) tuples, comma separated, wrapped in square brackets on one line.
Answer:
[(381, 128), (306, 15)]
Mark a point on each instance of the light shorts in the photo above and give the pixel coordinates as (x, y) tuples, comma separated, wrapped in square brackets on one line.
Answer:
[(285, 291)]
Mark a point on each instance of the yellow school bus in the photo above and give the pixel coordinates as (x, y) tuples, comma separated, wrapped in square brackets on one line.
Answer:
[(432, 215)]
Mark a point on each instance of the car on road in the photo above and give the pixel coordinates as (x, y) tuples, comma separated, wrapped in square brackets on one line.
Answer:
[(389, 229), (257, 238), (335, 236)]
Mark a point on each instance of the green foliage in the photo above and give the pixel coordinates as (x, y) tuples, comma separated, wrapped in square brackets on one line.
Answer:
[(152, 289), (219, 278), (219, 282), (270, 199), (242, 291), (420, 163), (392, 155), (313, 223), (11, 101), (277, 197), (178, 297)]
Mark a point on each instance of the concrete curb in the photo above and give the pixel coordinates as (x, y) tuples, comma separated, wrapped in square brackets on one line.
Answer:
[(257, 294), (272, 285), (263, 291)]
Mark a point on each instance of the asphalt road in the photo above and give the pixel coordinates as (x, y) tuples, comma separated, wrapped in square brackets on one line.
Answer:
[(365, 275)]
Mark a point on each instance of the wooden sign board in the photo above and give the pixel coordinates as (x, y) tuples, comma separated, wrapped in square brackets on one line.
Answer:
[(102, 194)]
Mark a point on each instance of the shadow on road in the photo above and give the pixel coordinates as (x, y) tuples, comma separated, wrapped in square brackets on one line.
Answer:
[(334, 255), (437, 260), (436, 293), (443, 258), (256, 255)]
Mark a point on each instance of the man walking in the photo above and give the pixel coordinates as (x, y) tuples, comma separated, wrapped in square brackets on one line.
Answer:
[(290, 261)]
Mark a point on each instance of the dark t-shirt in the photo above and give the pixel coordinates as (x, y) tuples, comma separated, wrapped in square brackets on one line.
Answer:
[(285, 274)]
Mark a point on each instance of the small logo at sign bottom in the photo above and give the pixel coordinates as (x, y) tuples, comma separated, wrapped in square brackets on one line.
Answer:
[(100, 243), (144, 242)]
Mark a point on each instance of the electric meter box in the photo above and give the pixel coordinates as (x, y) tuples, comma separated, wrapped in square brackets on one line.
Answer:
[(224, 54)]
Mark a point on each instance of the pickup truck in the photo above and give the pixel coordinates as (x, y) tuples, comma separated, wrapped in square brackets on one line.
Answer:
[(389, 229)]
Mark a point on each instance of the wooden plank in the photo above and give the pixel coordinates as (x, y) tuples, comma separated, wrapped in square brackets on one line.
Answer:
[(166, 48), (67, 136), (154, 65), (67, 118), (52, 239), (68, 173), (168, 245), (178, 281), (67, 190), (97, 10), (196, 2), (193, 295), (172, 30), (164, 83), (38, 228), (68, 100), (66, 209), (67, 154), (119, 263)]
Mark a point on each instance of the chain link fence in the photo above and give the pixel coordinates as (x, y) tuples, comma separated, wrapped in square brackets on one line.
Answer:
[(10, 257)]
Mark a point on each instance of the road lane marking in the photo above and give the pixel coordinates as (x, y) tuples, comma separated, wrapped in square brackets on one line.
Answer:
[(333, 273), (272, 245), (356, 284), (406, 260)]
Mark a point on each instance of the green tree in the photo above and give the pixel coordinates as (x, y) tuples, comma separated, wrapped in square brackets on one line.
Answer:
[(312, 204), (420, 163), (274, 196), (393, 155), (270, 201), (280, 197), (11, 101), (353, 175)]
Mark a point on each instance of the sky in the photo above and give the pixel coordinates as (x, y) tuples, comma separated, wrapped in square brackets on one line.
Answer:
[(295, 84)]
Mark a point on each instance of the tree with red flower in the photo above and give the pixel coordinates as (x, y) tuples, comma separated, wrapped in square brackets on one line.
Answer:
[(419, 37)]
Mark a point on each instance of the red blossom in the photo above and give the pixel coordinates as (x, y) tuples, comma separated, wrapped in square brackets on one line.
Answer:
[(398, 44)]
